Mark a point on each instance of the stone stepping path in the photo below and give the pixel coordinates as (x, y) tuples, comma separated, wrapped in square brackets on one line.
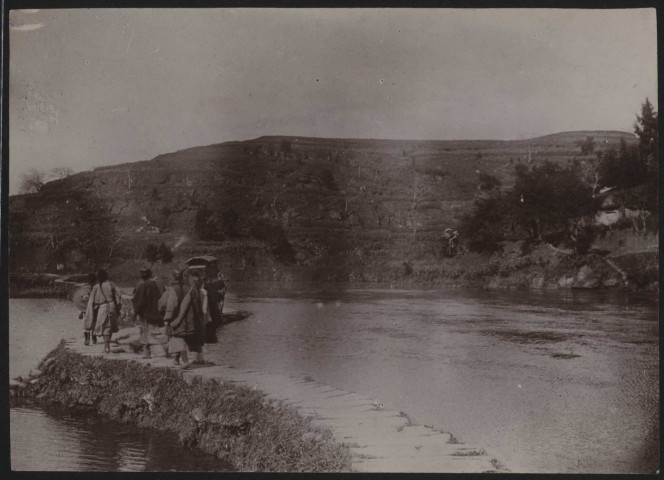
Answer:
[(381, 440)]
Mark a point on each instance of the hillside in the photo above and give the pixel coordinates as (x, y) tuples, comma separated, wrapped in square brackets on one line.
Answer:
[(291, 207)]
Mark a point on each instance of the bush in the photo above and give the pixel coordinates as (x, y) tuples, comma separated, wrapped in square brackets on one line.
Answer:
[(275, 235), (485, 228), (623, 169), (154, 252), (587, 146), (151, 252), (583, 238), (549, 196), (489, 182), (165, 253), (215, 227)]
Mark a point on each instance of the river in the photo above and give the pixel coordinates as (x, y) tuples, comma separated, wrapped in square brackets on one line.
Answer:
[(545, 381), (47, 437), (60, 439)]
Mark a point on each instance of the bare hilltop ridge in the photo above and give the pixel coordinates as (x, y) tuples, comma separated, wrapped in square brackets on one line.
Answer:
[(278, 207)]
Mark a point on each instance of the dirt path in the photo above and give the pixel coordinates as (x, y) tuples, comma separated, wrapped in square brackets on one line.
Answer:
[(381, 440)]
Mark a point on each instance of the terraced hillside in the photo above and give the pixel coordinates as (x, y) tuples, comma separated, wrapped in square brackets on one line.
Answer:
[(290, 207)]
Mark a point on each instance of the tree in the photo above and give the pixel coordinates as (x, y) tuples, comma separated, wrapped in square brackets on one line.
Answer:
[(213, 226), (32, 181), (286, 146), (62, 172), (206, 227), (488, 182), (549, 196), (164, 253), (485, 228), (587, 146), (646, 128), (151, 252), (623, 169), (275, 235), (634, 169)]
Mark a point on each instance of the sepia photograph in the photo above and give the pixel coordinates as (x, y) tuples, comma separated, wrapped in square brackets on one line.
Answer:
[(417, 240)]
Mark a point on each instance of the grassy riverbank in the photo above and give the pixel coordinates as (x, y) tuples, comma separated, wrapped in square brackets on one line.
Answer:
[(234, 423)]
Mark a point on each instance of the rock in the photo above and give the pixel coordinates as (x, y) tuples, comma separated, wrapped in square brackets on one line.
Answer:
[(148, 398), (611, 282), (198, 414), (565, 282), (48, 363), (586, 278), (583, 272)]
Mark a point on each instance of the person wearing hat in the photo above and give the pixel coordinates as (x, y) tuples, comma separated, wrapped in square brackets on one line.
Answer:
[(198, 297), (146, 307), (103, 309), (170, 303), (215, 288), (189, 323), (81, 298)]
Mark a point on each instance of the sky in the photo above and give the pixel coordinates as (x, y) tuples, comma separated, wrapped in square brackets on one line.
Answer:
[(93, 87)]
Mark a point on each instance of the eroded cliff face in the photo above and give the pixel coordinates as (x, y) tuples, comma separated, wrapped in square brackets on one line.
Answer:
[(332, 208)]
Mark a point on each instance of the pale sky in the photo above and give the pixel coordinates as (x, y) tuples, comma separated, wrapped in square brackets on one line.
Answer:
[(98, 87)]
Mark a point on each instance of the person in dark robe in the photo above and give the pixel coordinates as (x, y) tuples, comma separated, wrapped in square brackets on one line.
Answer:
[(146, 307), (170, 303), (196, 340), (215, 287)]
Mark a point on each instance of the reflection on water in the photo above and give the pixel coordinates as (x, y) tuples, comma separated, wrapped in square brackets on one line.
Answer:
[(36, 326), (548, 381), (51, 438)]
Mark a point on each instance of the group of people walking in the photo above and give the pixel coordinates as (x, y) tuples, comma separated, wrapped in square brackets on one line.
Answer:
[(182, 317)]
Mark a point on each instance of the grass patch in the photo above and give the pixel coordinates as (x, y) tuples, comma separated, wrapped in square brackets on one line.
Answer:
[(236, 424)]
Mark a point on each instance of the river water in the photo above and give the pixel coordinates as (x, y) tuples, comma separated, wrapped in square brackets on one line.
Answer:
[(46, 437), (56, 438), (545, 381)]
